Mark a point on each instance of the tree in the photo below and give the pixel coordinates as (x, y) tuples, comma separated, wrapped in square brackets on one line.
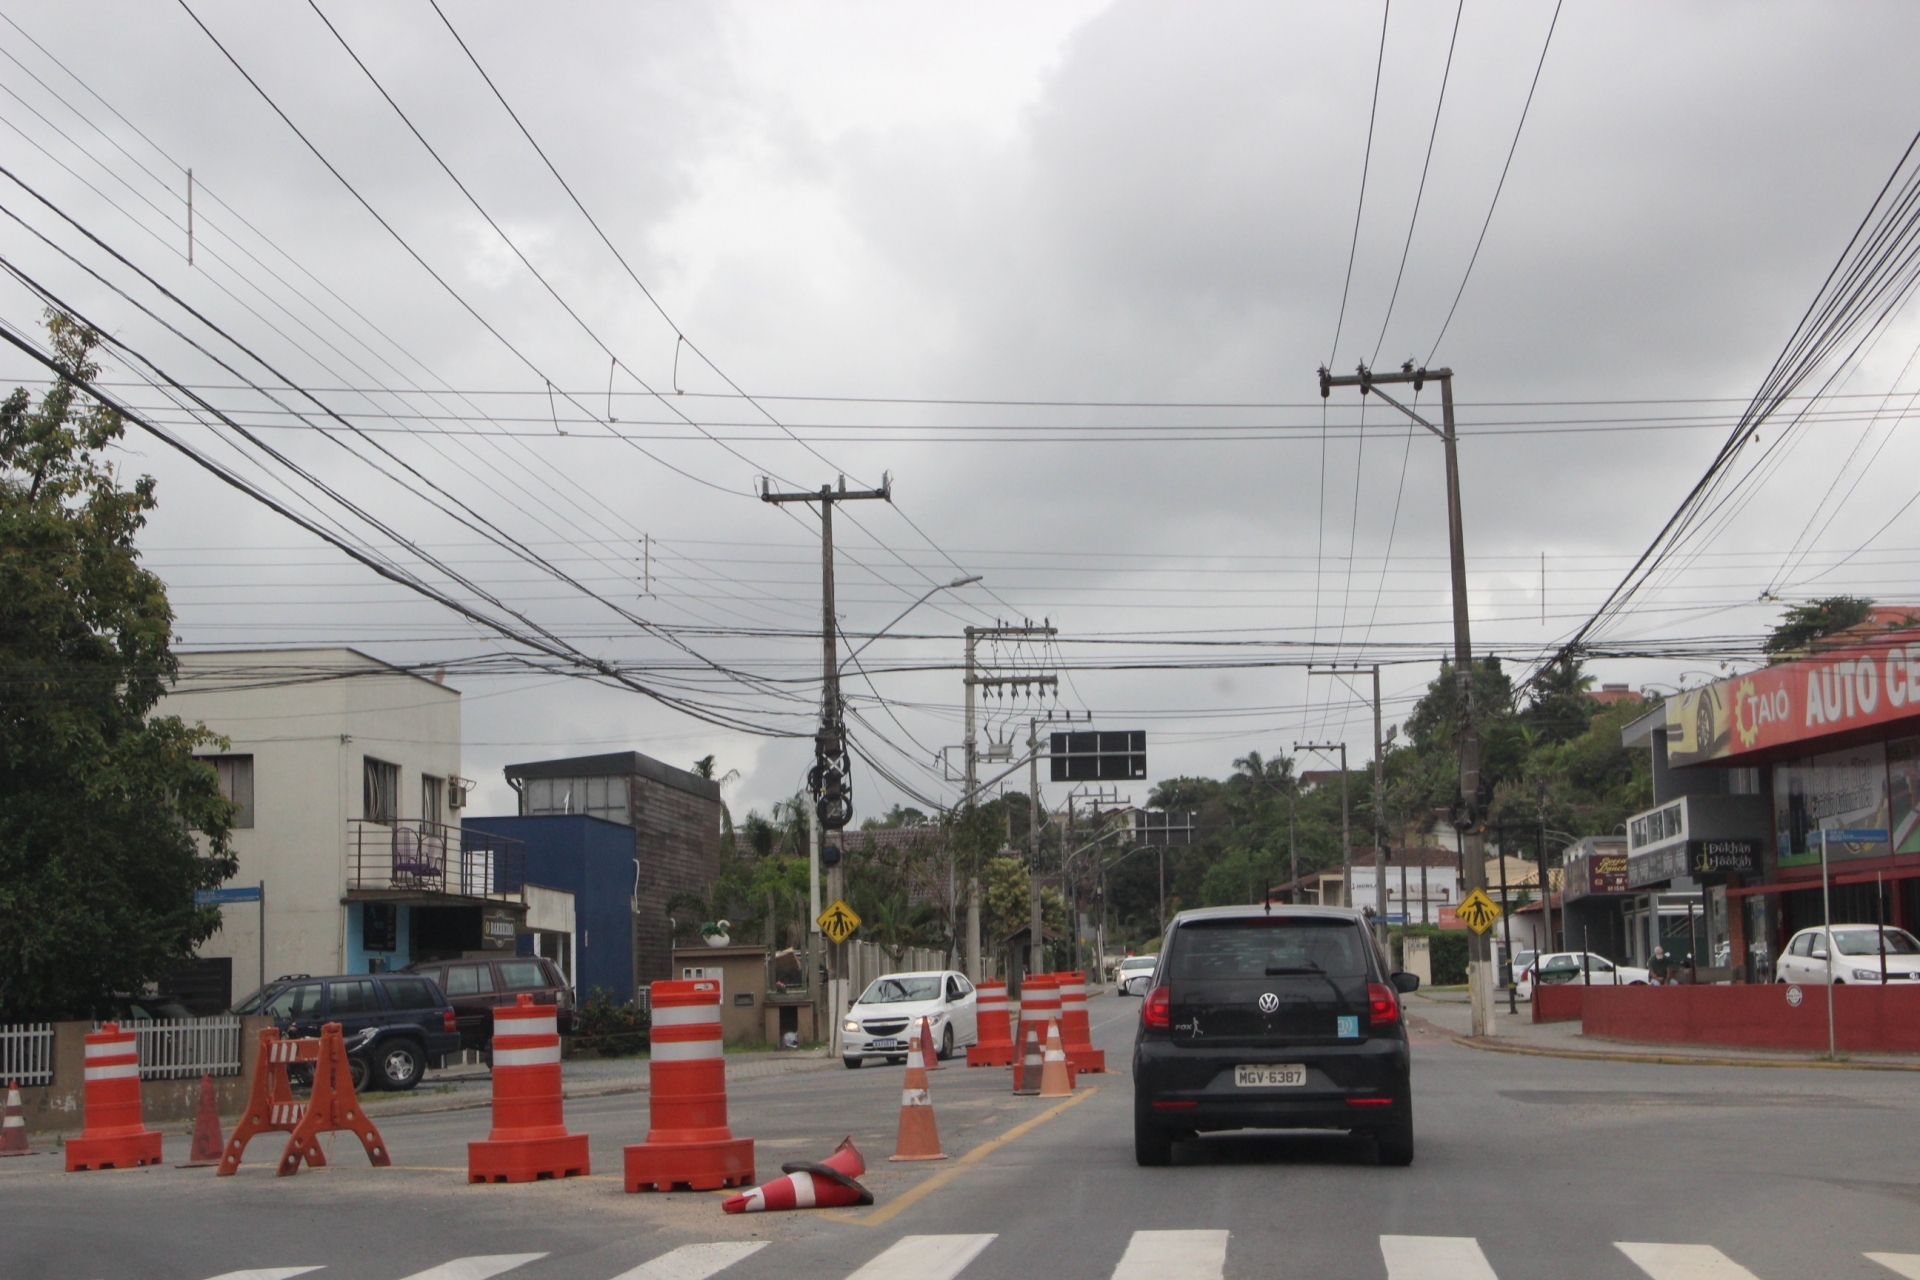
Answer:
[(1802, 624), (99, 801), (1560, 709)]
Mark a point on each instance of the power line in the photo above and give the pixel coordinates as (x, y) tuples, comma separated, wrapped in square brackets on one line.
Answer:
[(1366, 163), (1420, 192)]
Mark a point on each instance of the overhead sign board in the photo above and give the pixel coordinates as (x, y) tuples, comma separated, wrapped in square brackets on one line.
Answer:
[(217, 897), (1154, 827), (1109, 756), (1478, 912), (839, 921)]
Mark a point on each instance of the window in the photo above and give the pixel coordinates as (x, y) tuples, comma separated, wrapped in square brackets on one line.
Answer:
[(1600, 965), (410, 993), (379, 926), (433, 799), (601, 797), (1803, 945), (1269, 947), (953, 989), (302, 1001), (352, 997), (236, 784), (523, 975), (469, 980), (380, 791)]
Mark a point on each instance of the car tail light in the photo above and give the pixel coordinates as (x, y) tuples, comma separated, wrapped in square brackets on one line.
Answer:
[(1175, 1106), (447, 1022), (1369, 1102), (1156, 1013), (1383, 1007)]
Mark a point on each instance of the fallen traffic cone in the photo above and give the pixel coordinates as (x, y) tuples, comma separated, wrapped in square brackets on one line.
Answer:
[(828, 1185), (1027, 1072), (13, 1130), (918, 1138), (1054, 1080), (929, 1058), (207, 1140)]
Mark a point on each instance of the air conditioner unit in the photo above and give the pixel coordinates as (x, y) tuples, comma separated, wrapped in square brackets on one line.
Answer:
[(457, 791)]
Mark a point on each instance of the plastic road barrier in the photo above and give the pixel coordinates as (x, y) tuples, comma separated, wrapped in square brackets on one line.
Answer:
[(688, 1143)]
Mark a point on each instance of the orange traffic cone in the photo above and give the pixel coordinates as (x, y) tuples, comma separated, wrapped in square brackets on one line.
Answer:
[(929, 1057), (1054, 1080), (828, 1185), (1026, 1072), (918, 1138), (207, 1140), (13, 1130)]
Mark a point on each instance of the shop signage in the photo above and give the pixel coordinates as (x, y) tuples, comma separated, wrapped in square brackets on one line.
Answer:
[(1594, 873), (1723, 857), (1656, 867), (1851, 688)]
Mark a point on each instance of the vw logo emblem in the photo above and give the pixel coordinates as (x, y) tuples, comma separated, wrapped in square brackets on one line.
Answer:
[(1269, 1002)]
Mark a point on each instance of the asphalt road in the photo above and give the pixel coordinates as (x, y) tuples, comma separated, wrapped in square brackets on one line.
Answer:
[(1527, 1167)]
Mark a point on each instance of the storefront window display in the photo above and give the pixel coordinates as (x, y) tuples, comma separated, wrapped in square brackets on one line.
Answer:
[(1844, 794)]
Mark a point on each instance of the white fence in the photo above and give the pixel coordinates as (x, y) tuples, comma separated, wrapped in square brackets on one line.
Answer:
[(869, 960), (26, 1054), (181, 1048)]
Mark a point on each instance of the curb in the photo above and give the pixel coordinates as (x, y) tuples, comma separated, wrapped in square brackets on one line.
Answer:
[(1675, 1059)]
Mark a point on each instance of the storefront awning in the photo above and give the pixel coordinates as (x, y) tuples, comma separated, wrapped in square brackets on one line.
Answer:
[(1852, 875)]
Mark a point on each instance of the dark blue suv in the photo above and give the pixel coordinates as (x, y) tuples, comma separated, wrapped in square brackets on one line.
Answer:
[(396, 1024)]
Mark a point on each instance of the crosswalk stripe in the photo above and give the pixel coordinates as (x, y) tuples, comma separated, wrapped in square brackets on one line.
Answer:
[(1174, 1255), (694, 1261), (267, 1273), (479, 1268), (1435, 1258), (1907, 1264), (924, 1258), (1684, 1262)]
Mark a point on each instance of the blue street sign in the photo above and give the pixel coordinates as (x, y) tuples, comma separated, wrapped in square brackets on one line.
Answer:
[(213, 897)]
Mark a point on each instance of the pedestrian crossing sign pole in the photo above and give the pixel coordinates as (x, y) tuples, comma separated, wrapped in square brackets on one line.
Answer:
[(1478, 912), (839, 921)]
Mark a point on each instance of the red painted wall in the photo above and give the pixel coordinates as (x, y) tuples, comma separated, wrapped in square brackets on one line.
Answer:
[(1866, 1019), (1559, 1002)]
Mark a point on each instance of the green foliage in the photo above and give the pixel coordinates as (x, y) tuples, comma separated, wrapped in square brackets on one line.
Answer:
[(98, 803), (610, 1030), (1802, 624)]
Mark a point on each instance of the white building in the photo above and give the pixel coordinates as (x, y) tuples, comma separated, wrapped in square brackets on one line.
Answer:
[(346, 772)]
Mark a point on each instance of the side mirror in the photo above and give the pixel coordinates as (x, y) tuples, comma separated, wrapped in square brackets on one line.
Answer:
[(1406, 982), (1819, 953)]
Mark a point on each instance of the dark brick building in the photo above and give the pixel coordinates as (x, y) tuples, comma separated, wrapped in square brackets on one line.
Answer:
[(675, 818)]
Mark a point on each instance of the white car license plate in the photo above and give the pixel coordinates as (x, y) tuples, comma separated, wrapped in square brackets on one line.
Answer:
[(1281, 1075)]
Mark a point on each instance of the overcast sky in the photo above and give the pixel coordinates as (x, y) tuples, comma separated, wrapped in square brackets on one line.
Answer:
[(1145, 204)]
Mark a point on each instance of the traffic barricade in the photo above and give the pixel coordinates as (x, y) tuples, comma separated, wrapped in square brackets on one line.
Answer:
[(688, 1142), (116, 1136), (995, 1047), (1075, 1033), (1039, 1005), (529, 1140), (332, 1105)]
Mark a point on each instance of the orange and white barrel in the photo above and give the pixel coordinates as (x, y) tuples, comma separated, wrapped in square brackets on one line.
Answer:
[(529, 1140), (688, 1141), (1075, 1034), (995, 1047), (116, 1136)]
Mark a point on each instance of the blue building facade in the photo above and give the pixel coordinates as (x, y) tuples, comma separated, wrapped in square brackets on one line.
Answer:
[(592, 859)]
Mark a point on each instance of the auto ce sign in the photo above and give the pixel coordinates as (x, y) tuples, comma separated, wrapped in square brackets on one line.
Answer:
[(1269, 1002)]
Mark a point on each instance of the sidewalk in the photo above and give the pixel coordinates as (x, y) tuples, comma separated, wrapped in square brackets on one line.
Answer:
[(1447, 1014)]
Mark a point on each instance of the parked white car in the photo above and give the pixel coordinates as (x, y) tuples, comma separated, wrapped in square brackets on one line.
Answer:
[(1570, 966), (1135, 975), (1850, 953), (880, 1024)]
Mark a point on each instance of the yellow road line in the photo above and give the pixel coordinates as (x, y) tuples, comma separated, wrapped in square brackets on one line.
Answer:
[(912, 1197)]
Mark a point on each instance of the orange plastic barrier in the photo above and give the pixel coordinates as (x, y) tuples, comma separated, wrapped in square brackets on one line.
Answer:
[(115, 1137), (995, 1047), (331, 1107), (1075, 1035), (529, 1140), (688, 1142)]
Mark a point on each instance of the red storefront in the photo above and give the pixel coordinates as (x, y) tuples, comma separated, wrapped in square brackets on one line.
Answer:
[(1833, 743)]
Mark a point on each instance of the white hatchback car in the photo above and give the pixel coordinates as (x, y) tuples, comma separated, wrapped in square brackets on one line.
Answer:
[(1570, 966), (880, 1024), (1854, 957), (1135, 975)]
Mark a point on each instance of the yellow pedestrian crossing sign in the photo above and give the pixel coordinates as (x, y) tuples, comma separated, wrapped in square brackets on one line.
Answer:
[(1477, 911), (839, 921)]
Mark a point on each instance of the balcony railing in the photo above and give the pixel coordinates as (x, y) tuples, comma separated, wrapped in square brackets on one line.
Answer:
[(432, 857)]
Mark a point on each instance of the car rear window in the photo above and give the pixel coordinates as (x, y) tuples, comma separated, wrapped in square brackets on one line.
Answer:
[(1207, 950), (522, 975), (469, 980), (411, 993)]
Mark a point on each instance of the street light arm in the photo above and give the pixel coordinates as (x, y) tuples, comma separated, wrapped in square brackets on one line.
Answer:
[(944, 586)]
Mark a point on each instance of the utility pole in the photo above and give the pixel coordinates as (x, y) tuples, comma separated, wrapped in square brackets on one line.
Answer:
[(971, 750), (1468, 818), (829, 782), (1346, 817), (1379, 806)]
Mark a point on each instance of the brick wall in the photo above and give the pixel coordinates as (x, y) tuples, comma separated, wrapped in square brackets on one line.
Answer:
[(677, 840)]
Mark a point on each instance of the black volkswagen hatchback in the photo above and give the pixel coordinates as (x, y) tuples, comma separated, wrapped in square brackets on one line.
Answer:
[(1277, 1017)]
